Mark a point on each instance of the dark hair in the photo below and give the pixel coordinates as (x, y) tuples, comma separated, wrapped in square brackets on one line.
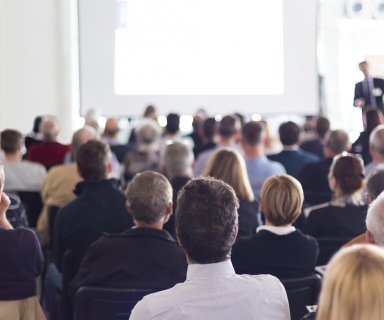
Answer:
[(375, 183), (322, 126), (348, 173), (228, 126), (289, 133), (149, 111), (36, 124), (93, 159), (207, 219), (372, 120), (11, 141), (173, 123), (252, 132), (209, 127)]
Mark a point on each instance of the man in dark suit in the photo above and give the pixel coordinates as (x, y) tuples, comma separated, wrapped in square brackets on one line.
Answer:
[(369, 92), (145, 257), (292, 157)]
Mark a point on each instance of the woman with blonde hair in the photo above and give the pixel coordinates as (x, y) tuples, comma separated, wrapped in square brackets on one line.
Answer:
[(353, 285), (228, 165), (344, 216), (278, 248)]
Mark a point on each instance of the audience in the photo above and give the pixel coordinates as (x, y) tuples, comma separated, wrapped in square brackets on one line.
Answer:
[(34, 136), (144, 257), (50, 152), (228, 166), (228, 133), (259, 167), (316, 146), (206, 226), (110, 136), (314, 175), (21, 263), (195, 135), (292, 157), (207, 132), (376, 149), (22, 175), (353, 285), (278, 248), (344, 216)]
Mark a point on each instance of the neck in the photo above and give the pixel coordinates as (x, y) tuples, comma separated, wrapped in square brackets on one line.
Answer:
[(227, 141), (14, 157), (157, 225), (268, 223), (253, 151)]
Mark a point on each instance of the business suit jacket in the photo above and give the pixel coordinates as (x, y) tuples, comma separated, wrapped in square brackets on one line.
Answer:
[(360, 93)]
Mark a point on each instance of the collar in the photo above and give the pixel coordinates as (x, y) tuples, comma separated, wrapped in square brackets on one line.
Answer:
[(82, 186), (280, 231), (209, 271), (146, 232)]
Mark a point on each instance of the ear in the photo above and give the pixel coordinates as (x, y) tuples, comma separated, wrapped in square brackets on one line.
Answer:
[(332, 182), (110, 167), (128, 206), (369, 237), (168, 212)]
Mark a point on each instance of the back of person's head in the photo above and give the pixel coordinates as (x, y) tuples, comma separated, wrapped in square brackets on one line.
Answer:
[(228, 126), (353, 285), (372, 120), (36, 124), (322, 126), (281, 199), (173, 123), (376, 140), (209, 128), (93, 160), (228, 165), (375, 183), (348, 174), (289, 133), (49, 128), (111, 128), (337, 141), (252, 133), (80, 137), (178, 160), (150, 112), (207, 219), (375, 220), (148, 195), (11, 141), (148, 133)]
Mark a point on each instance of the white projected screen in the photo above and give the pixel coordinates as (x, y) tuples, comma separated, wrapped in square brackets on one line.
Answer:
[(199, 47), (247, 56)]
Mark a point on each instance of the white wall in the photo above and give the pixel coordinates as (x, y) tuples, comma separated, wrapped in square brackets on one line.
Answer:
[(35, 63)]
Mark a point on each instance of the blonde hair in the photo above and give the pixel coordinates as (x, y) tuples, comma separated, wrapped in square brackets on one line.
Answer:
[(229, 166), (281, 199), (353, 285)]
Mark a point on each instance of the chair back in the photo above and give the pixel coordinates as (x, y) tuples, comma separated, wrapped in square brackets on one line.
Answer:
[(33, 205), (328, 247), (95, 303), (302, 292)]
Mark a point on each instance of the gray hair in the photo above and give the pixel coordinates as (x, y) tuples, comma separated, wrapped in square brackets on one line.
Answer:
[(178, 160), (148, 133), (82, 136), (338, 141), (148, 194), (375, 183), (375, 219), (49, 128), (376, 139)]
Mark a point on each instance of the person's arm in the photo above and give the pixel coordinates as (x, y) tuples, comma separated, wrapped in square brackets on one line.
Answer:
[(4, 205), (358, 100)]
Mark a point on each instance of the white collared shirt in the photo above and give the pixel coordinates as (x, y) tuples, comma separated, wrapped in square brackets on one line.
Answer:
[(280, 231), (213, 291)]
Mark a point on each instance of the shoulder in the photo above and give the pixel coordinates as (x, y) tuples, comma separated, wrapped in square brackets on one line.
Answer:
[(318, 209)]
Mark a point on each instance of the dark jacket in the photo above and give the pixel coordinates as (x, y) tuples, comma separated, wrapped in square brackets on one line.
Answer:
[(314, 146), (248, 218), (140, 258), (284, 256)]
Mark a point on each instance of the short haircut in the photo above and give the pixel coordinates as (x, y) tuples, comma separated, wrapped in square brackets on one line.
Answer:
[(93, 159), (209, 127), (2, 175), (207, 219), (322, 126), (282, 198), (352, 287), (289, 133), (148, 133), (375, 219), (228, 165), (36, 124), (111, 127), (376, 139), (49, 128), (348, 171), (253, 133), (178, 160), (149, 193), (228, 126), (11, 141), (375, 183), (173, 123), (80, 137), (338, 141)]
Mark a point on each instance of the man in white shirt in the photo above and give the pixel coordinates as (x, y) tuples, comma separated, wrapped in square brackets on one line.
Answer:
[(21, 175), (206, 227)]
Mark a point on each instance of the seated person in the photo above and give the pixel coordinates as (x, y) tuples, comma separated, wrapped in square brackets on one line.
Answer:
[(278, 248), (21, 263), (344, 216), (206, 227), (352, 287), (316, 145), (144, 257)]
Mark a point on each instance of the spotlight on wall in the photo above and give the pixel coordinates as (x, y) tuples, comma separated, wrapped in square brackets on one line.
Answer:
[(379, 9), (359, 9)]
